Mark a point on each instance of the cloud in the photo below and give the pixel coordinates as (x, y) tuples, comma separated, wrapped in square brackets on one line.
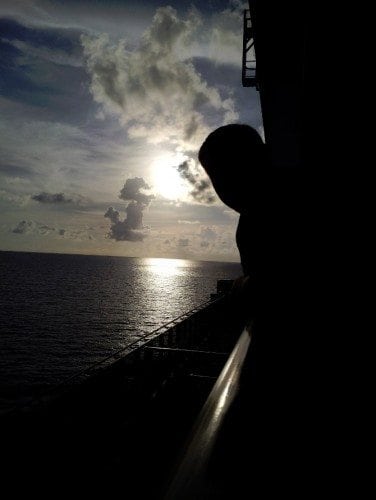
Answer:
[(225, 36), (183, 242), (125, 230), (76, 234), (189, 222), (207, 233), (156, 92), (209, 238), (130, 228), (45, 37), (24, 227), (34, 228), (202, 190), (53, 157), (115, 16), (13, 198), (55, 56), (59, 198), (41, 147), (132, 191), (51, 198)]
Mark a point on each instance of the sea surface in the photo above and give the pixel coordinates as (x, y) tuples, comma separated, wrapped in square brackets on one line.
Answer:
[(59, 314)]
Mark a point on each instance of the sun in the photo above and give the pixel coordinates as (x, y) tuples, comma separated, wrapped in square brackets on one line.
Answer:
[(166, 180)]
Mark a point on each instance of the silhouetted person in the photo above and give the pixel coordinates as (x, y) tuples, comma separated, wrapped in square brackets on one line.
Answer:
[(273, 234), (272, 241), (270, 234), (234, 157)]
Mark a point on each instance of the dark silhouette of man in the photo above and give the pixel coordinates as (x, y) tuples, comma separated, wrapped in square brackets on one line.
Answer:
[(234, 157), (270, 234), (272, 241)]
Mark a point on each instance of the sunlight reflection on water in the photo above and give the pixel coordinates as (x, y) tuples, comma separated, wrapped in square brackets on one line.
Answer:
[(167, 267), (61, 313)]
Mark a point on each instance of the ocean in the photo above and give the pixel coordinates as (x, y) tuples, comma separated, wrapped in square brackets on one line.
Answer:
[(59, 313)]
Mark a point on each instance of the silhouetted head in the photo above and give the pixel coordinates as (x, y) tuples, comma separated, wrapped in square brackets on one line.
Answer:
[(234, 157)]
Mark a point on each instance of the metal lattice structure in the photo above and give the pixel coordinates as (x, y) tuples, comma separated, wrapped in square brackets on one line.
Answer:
[(249, 58)]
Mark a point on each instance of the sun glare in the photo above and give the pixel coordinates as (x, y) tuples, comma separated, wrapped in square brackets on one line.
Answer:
[(166, 267), (166, 179)]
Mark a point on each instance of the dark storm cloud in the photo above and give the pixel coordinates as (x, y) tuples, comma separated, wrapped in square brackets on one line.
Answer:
[(130, 228), (201, 187), (51, 198)]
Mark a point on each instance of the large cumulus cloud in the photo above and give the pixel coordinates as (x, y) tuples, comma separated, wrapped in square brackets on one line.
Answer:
[(155, 89)]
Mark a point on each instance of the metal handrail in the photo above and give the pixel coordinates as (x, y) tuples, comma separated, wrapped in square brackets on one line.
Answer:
[(189, 479)]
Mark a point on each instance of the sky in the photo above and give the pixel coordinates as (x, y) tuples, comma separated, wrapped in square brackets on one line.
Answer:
[(103, 108)]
